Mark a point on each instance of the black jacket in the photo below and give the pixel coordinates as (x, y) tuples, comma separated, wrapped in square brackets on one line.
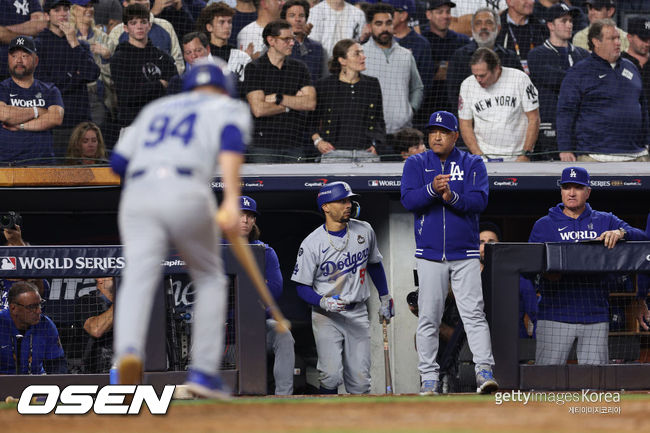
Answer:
[(136, 73)]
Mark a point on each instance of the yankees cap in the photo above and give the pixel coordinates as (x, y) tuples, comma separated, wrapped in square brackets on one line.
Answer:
[(25, 43), (559, 10), (443, 119), (435, 4), (402, 5), (639, 26), (247, 203), (577, 175), (597, 4)]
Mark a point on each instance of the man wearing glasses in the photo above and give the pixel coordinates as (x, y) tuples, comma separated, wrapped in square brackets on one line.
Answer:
[(29, 341), (279, 91)]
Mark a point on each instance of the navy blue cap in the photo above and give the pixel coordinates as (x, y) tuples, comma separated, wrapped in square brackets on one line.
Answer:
[(443, 119), (559, 10), (247, 203), (83, 2), (402, 5), (25, 43), (435, 4), (639, 26), (51, 4), (598, 4), (575, 175)]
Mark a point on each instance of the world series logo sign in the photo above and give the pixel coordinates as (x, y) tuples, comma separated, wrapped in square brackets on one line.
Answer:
[(8, 263)]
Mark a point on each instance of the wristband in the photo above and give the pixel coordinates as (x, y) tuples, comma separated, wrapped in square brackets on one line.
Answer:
[(318, 140), (278, 99), (35, 112)]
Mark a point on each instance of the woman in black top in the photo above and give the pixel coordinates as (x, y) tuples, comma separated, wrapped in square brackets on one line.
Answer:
[(349, 113)]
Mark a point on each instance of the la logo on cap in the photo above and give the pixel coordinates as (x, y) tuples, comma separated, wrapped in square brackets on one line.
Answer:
[(573, 173), (647, 25), (247, 202), (438, 118)]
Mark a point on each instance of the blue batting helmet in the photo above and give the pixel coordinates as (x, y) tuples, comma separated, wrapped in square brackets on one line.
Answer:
[(209, 72), (334, 191)]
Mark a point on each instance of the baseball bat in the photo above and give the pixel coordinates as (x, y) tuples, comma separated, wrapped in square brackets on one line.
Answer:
[(244, 255), (389, 379)]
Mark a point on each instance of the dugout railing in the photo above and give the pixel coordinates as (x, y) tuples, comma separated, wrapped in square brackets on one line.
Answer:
[(504, 264), (247, 374)]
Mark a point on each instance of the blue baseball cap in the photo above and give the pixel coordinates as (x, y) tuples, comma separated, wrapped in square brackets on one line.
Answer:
[(247, 203), (402, 5), (575, 175), (444, 119)]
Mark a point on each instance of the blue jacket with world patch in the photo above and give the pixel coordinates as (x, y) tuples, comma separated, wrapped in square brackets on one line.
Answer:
[(578, 298), (595, 101), (445, 230)]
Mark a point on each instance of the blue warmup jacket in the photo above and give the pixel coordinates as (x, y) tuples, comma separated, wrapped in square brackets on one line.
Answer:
[(602, 110), (445, 230), (583, 298)]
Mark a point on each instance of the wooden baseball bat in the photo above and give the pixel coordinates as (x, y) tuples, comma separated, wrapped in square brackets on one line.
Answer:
[(389, 379), (244, 255)]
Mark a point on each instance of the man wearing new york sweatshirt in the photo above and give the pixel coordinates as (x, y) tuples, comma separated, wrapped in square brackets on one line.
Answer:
[(447, 189), (578, 309)]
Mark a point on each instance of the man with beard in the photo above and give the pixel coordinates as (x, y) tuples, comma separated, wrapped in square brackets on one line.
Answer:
[(29, 108), (305, 49), (395, 68), (485, 28), (141, 72), (331, 273)]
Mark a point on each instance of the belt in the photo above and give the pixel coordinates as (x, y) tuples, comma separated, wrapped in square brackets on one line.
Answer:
[(350, 306), (181, 171)]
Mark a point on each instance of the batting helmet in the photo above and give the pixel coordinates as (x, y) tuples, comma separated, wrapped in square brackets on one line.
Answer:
[(334, 191), (209, 72)]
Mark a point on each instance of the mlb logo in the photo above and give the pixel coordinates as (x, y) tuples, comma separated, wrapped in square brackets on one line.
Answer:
[(7, 263), (373, 183)]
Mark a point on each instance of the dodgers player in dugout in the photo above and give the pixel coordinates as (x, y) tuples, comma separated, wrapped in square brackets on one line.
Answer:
[(582, 311), (281, 344), (167, 159), (447, 189), (331, 273)]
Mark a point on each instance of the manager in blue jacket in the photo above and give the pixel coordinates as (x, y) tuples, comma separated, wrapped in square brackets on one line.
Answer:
[(602, 113), (447, 189), (580, 309)]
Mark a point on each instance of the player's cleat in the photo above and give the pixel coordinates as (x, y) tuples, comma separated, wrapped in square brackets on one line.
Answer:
[(429, 387), (206, 386), (129, 370), (485, 383)]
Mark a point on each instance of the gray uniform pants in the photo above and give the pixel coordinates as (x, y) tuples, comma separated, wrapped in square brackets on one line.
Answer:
[(343, 345), (281, 345), (554, 341), (434, 279), (155, 213)]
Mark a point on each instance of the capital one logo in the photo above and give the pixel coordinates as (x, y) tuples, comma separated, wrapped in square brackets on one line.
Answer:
[(80, 399), (456, 172)]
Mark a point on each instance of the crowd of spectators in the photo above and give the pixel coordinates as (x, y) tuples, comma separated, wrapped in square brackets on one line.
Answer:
[(101, 61)]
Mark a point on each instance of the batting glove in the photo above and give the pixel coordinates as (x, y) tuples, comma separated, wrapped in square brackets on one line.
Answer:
[(386, 310), (332, 305)]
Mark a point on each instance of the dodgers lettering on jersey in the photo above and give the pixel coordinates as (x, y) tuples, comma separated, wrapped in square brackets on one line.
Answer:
[(323, 258)]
